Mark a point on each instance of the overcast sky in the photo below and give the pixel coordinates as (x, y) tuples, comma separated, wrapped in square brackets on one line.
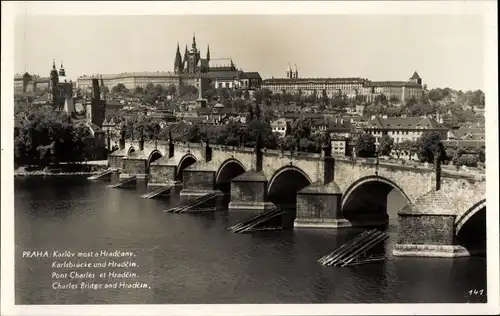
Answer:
[(446, 51)]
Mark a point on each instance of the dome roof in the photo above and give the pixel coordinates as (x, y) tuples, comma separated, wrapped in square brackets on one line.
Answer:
[(218, 105)]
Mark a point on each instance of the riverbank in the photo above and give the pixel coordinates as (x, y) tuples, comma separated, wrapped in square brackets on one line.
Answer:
[(64, 171)]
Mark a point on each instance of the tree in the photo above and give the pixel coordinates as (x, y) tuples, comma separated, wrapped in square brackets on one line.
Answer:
[(302, 128), (246, 95), (223, 93), (269, 115), (47, 137), (365, 146), (287, 143), (119, 90), (105, 89), (171, 90), (257, 111), (251, 115), (429, 145), (258, 96), (386, 145), (139, 90), (209, 94), (194, 135), (436, 94)]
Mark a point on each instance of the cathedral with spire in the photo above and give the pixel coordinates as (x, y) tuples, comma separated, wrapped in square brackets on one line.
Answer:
[(192, 62), (191, 68)]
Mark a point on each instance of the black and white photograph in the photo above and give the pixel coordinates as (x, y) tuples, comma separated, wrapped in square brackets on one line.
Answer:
[(211, 154)]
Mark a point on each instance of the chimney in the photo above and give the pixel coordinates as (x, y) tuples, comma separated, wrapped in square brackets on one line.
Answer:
[(122, 143), (373, 117)]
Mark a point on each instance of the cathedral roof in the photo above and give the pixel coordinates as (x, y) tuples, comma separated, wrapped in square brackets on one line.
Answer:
[(223, 74), (252, 75)]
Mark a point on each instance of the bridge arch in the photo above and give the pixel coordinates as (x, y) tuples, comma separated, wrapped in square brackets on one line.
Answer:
[(470, 228), (153, 156), (186, 161), (367, 201), (228, 170), (282, 191)]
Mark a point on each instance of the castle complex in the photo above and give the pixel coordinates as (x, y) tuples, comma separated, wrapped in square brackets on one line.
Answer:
[(203, 72), (189, 69), (348, 87)]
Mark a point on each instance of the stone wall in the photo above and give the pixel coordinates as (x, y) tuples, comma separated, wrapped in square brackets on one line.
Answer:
[(115, 162), (134, 166), (412, 183), (162, 173), (319, 209), (425, 229), (248, 192), (311, 164), (199, 180)]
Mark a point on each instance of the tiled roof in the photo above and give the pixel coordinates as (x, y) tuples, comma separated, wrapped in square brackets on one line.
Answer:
[(339, 126), (313, 80), (131, 74), (415, 76), (223, 74), (394, 84), (463, 132), (404, 123), (464, 143), (252, 75)]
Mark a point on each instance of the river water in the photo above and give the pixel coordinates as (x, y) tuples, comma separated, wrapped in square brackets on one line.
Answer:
[(193, 259)]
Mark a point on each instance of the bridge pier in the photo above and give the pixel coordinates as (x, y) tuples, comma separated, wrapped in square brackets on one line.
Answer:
[(115, 159), (319, 206), (135, 165), (163, 171), (199, 178), (427, 228), (249, 192)]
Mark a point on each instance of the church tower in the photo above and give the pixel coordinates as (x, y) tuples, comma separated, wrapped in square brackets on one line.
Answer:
[(208, 52), (53, 89), (289, 72), (54, 77), (62, 72), (185, 59), (416, 78), (178, 65)]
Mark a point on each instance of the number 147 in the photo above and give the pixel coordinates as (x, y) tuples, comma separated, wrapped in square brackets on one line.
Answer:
[(476, 292)]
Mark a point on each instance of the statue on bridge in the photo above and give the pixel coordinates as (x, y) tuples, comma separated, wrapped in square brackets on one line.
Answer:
[(326, 141)]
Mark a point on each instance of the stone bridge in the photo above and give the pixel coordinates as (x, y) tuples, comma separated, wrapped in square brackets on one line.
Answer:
[(318, 189)]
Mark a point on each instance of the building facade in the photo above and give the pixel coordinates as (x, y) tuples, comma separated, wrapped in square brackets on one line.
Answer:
[(30, 83), (348, 87), (402, 129)]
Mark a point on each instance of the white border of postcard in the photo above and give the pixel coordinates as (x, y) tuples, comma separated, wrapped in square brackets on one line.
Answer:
[(487, 9)]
